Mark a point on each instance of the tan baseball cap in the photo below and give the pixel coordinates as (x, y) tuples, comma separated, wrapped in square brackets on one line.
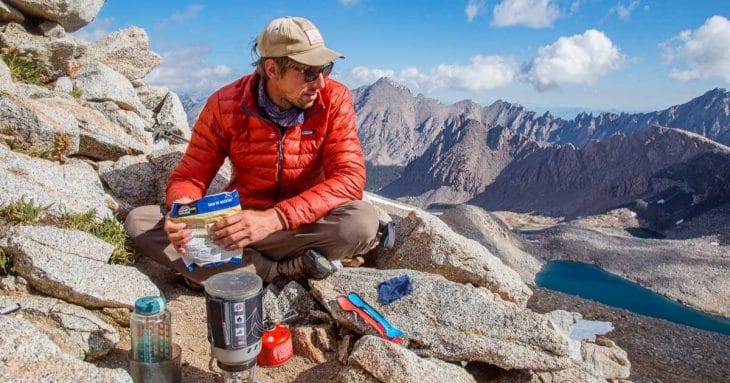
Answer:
[(296, 38)]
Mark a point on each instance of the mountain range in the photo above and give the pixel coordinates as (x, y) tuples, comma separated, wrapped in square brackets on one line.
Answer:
[(396, 127)]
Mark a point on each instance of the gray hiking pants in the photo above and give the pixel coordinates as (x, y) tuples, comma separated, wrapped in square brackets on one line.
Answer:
[(346, 231)]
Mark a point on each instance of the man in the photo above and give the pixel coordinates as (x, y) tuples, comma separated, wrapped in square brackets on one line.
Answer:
[(289, 132)]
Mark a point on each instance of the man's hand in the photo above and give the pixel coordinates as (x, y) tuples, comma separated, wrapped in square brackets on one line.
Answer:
[(239, 230), (176, 232)]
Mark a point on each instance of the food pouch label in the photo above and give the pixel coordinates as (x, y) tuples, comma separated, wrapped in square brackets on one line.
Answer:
[(200, 216)]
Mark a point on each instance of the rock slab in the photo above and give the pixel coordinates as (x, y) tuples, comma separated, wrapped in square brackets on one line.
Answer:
[(451, 321)]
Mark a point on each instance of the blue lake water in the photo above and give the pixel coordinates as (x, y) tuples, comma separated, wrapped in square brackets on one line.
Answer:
[(591, 282)]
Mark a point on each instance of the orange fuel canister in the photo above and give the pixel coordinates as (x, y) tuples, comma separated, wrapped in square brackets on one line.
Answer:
[(276, 345)]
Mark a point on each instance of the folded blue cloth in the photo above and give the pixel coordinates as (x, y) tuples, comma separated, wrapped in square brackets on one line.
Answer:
[(394, 289)]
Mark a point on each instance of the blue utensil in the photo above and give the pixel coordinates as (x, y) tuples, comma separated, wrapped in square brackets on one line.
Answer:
[(390, 330)]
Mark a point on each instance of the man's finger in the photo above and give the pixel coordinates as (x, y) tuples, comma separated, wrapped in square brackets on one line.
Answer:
[(233, 237), (240, 244), (228, 221), (171, 227)]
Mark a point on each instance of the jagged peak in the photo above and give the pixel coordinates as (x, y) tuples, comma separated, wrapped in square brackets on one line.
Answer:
[(392, 83)]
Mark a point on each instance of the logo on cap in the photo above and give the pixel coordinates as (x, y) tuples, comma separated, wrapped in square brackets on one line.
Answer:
[(314, 36)]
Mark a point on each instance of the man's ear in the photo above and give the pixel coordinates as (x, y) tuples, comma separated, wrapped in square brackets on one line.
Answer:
[(271, 69)]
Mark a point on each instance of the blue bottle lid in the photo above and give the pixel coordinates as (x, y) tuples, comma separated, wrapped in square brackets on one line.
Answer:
[(149, 305)]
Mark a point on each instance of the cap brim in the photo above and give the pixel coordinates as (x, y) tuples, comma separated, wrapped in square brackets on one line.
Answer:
[(316, 57)]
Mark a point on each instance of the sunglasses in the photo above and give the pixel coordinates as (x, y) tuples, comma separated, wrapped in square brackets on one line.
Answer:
[(311, 74)]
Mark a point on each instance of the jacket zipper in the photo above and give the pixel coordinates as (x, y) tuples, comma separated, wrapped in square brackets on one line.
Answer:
[(280, 172), (280, 149)]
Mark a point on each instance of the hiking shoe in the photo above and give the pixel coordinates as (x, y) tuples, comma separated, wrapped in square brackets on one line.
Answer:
[(386, 234), (310, 265), (193, 285)]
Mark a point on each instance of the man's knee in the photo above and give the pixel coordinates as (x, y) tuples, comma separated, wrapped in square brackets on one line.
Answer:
[(142, 219), (359, 223)]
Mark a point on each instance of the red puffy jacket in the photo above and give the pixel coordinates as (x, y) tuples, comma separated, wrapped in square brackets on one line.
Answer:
[(304, 173)]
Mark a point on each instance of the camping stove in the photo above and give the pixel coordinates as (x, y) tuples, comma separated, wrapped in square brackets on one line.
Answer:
[(234, 307)]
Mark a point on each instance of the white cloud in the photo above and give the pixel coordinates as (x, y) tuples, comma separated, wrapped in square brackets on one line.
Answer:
[(348, 3), (474, 8), (575, 6), (95, 30), (578, 59), (704, 51), (530, 13), (189, 13), (366, 76), (624, 11), (481, 74), (184, 70)]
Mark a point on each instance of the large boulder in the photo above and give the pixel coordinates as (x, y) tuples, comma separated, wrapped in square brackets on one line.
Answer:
[(378, 360), (73, 187), (30, 126), (451, 321), (173, 115), (165, 161), (73, 266), (76, 330), (97, 82), (55, 56), (132, 179), (8, 13), (6, 78), (604, 358), (99, 138), (71, 14), (38, 91), (428, 244), (293, 296), (127, 52), (152, 96), (477, 224), (595, 360), (27, 355)]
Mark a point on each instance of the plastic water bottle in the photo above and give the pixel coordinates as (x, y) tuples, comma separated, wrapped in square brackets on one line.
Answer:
[(151, 330)]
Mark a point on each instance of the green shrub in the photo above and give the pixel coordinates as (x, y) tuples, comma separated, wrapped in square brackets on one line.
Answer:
[(61, 148), (5, 264), (75, 91), (22, 211), (23, 69), (109, 230)]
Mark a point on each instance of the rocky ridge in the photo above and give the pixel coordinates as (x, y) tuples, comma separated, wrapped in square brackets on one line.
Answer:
[(499, 170), (397, 127)]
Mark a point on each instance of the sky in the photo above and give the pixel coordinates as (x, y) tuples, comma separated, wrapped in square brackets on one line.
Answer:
[(627, 55)]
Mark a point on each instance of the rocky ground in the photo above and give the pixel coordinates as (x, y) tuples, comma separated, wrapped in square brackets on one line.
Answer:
[(660, 351), (187, 307)]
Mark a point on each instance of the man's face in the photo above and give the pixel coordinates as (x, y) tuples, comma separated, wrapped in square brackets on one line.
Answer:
[(290, 88)]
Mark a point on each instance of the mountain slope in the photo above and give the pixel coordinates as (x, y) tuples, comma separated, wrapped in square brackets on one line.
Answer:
[(461, 161), (685, 171)]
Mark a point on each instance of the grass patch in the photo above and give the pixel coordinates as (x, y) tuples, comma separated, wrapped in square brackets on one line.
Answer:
[(75, 91), (5, 264), (23, 69), (59, 152), (23, 212), (108, 230)]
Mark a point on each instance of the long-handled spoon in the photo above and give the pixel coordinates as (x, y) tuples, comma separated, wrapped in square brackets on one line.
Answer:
[(390, 330), (346, 305)]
